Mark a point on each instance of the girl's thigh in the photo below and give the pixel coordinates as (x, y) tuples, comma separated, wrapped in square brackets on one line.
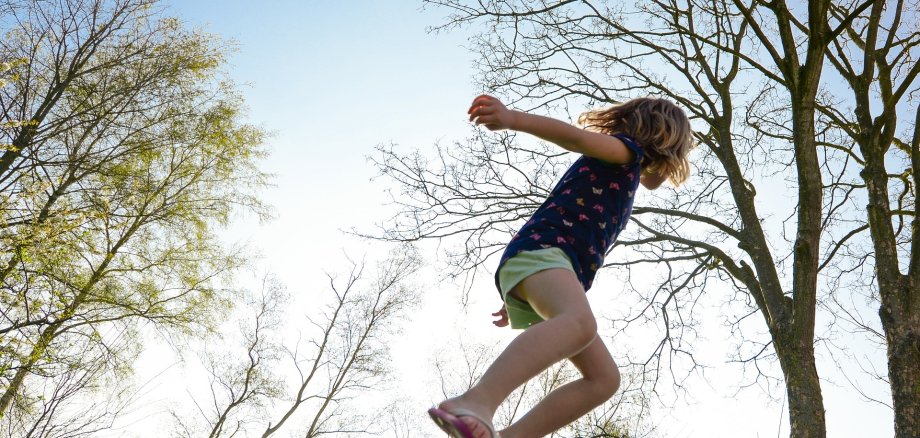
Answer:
[(554, 292)]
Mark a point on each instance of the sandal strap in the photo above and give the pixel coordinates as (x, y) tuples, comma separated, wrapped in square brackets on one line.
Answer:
[(460, 412)]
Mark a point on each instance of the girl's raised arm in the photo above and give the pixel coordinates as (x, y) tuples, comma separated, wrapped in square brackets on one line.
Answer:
[(491, 113)]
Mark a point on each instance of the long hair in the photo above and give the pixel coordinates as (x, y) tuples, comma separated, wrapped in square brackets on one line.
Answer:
[(660, 127)]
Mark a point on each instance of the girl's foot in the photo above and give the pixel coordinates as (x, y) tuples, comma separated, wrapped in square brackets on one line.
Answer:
[(476, 418)]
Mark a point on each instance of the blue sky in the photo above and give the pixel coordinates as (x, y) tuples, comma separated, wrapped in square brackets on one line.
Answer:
[(333, 79)]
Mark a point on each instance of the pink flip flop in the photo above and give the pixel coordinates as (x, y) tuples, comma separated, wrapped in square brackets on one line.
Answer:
[(450, 422)]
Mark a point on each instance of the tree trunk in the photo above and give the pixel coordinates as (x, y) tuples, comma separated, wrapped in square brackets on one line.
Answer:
[(803, 388), (901, 322), (797, 353), (899, 293)]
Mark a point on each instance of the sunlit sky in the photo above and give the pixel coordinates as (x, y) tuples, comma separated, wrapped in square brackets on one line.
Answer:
[(333, 79)]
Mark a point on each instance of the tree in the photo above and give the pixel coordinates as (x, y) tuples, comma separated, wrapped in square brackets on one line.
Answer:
[(83, 400), (876, 56), (344, 357), (132, 153), (242, 376), (749, 75)]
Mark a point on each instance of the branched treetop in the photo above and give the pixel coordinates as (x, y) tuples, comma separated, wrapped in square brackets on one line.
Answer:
[(135, 151)]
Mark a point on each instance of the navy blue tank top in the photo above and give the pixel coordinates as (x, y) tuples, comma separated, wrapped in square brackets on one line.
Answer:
[(583, 214)]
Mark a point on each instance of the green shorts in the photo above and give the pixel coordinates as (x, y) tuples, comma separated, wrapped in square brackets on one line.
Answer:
[(519, 267)]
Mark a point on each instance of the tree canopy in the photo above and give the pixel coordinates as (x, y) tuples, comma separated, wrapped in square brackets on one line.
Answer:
[(132, 149)]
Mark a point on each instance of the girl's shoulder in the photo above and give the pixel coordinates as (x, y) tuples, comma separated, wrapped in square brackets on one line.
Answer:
[(630, 142), (637, 153)]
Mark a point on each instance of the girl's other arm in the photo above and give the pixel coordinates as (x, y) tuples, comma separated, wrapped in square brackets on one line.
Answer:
[(490, 112), (651, 181)]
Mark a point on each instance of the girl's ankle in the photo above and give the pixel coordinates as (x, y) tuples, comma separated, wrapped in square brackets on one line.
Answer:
[(483, 398), (474, 400)]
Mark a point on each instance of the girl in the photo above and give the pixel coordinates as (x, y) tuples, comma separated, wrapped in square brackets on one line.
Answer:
[(551, 262)]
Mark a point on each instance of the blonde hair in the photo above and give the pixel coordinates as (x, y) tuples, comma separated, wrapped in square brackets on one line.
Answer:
[(660, 127)]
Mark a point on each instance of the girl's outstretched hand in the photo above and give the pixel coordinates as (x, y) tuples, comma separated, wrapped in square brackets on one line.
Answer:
[(503, 314), (491, 113)]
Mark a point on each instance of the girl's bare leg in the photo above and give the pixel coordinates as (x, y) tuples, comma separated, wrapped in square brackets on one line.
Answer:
[(569, 328), (569, 402)]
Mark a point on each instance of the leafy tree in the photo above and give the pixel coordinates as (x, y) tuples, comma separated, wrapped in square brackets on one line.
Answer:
[(133, 153)]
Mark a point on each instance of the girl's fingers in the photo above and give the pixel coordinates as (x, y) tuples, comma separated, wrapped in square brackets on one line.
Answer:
[(482, 100), (483, 97), (489, 122), (481, 114), (482, 111), (477, 105)]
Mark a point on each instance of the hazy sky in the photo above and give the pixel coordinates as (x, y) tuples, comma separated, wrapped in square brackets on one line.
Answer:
[(332, 79)]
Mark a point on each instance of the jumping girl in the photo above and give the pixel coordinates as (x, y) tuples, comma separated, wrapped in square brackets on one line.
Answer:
[(551, 262)]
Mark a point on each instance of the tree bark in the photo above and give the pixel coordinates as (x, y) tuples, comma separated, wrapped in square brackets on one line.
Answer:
[(903, 336), (803, 387)]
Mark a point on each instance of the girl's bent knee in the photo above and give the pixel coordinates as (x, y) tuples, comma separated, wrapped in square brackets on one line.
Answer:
[(607, 384), (614, 382), (583, 329)]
